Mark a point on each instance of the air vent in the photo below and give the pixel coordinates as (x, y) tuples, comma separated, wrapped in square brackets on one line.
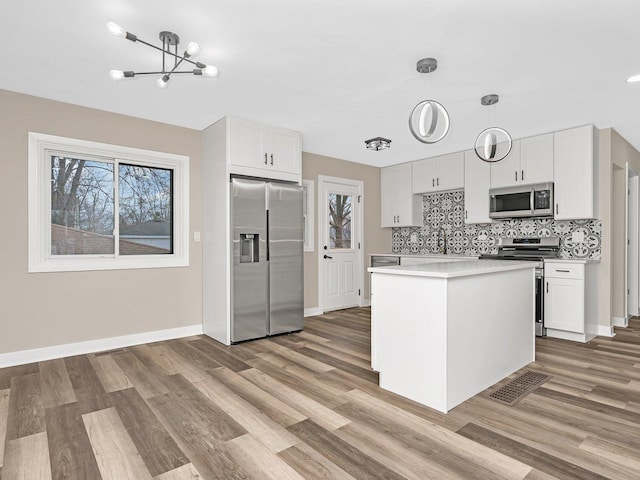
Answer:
[(519, 387)]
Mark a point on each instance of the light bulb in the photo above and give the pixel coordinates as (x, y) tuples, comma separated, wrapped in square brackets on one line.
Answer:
[(116, 74), (163, 81), (192, 49), (117, 30), (210, 71), (634, 79)]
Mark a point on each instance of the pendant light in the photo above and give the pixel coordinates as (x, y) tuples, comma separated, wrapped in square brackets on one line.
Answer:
[(429, 120), (492, 144)]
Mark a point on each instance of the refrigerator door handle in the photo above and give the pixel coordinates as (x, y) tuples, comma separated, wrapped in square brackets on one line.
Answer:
[(267, 213)]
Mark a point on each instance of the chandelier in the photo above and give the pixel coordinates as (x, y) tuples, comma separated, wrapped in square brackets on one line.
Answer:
[(378, 144), (171, 59), (492, 144), (429, 120)]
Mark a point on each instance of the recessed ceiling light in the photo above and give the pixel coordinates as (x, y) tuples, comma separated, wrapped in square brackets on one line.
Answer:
[(633, 79)]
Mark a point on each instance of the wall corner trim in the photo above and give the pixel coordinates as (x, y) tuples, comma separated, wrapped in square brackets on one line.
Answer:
[(66, 350), (312, 312), (606, 331)]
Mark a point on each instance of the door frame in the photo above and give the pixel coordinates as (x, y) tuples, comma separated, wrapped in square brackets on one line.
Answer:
[(631, 271), (321, 231)]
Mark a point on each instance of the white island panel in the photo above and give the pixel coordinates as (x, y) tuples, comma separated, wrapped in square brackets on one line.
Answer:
[(441, 334), (490, 330)]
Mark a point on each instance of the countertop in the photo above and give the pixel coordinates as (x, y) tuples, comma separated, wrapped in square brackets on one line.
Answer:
[(570, 260), (454, 269), (432, 255)]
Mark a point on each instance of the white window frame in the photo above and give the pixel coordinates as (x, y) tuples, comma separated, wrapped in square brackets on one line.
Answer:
[(307, 192), (40, 259)]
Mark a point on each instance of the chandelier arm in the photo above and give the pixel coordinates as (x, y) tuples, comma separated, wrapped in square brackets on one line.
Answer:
[(169, 52), (137, 74)]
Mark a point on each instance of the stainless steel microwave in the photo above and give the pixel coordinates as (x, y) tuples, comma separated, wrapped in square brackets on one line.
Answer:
[(521, 201)]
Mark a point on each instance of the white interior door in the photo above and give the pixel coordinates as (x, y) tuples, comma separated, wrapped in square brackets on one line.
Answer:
[(339, 252)]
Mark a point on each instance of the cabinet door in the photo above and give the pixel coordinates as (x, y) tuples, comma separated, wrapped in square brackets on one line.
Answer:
[(400, 208), (536, 159), (477, 180), (423, 177), (285, 150), (564, 304), (573, 172), (450, 172), (248, 143), (506, 172)]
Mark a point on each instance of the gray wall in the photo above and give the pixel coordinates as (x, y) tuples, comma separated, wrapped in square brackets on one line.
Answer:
[(45, 309)]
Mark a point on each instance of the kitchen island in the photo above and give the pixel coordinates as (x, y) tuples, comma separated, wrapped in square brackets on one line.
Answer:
[(443, 332)]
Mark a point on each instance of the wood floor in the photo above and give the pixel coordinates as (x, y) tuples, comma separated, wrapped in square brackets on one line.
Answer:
[(308, 406)]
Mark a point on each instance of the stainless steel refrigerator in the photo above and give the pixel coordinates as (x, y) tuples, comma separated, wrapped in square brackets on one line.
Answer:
[(267, 242)]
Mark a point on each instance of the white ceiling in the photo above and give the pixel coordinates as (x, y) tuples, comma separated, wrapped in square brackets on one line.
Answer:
[(341, 71)]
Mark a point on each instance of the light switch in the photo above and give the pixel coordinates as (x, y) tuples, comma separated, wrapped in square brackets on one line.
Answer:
[(577, 237), (196, 236)]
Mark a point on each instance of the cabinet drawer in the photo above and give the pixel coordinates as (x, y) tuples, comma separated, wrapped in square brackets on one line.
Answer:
[(564, 270)]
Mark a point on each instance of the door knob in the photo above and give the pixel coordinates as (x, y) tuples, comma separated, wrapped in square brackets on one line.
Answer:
[(327, 256)]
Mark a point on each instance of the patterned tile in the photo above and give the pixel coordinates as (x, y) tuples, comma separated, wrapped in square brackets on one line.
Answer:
[(446, 210)]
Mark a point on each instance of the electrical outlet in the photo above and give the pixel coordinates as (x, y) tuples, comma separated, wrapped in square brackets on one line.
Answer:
[(577, 237)]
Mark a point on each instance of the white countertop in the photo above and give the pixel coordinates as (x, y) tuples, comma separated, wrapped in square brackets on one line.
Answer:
[(432, 255), (570, 260), (453, 269)]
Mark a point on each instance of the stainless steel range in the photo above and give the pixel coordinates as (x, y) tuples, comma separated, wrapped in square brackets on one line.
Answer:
[(533, 249)]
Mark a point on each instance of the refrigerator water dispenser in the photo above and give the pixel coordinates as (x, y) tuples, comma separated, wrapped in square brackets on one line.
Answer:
[(249, 248)]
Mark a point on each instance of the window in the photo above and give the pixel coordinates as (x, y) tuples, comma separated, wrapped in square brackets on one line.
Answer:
[(339, 221), (307, 213), (94, 206)]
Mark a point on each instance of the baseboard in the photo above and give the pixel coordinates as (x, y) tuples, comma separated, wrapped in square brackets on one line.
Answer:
[(312, 312), (619, 322), (59, 351), (366, 303), (606, 331)]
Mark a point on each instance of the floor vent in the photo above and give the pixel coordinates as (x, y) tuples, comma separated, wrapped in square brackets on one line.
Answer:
[(109, 352), (519, 387)]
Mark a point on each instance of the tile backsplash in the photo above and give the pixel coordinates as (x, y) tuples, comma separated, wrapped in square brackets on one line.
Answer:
[(446, 210)]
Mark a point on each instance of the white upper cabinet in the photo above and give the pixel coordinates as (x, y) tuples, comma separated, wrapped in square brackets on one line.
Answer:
[(477, 180), (575, 173), (536, 159), (438, 174), (400, 208), (530, 161), (266, 149)]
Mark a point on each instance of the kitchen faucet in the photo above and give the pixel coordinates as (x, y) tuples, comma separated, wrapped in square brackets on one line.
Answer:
[(442, 240)]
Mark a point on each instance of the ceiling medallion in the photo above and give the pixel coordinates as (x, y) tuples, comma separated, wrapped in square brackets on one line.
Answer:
[(492, 144), (378, 143), (169, 68), (429, 120)]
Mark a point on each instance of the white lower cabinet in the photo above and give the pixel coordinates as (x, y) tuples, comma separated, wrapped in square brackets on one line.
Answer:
[(570, 300)]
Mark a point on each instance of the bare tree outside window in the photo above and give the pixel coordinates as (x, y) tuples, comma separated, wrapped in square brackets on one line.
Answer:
[(83, 208), (146, 208), (340, 220)]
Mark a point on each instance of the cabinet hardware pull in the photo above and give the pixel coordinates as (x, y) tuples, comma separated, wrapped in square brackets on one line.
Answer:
[(522, 175), (563, 271), (265, 158), (398, 218), (438, 181), (433, 182), (466, 214), (556, 208), (547, 287), (516, 172), (272, 159)]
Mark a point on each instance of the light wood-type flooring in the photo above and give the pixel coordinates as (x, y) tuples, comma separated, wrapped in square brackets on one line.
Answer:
[(307, 405)]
